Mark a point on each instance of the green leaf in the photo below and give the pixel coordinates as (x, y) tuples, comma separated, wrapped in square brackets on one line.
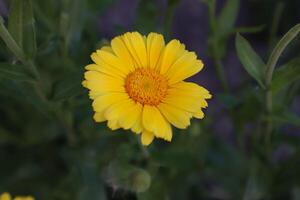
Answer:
[(278, 50), (15, 21), (286, 74), (10, 42), (227, 17), (21, 26), (249, 29), (252, 63), (26, 93), (15, 72), (29, 36)]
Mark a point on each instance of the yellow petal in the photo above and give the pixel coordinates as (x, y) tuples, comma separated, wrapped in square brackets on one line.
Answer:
[(24, 198), (139, 45), (187, 65), (99, 117), (94, 94), (189, 89), (171, 53), (147, 138), (132, 116), (178, 117), (138, 125), (125, 112), (127, 39), (84, 83), (191, 97), (122, 52), (153, 121), (5, 196), (186, 104), (155, 46), (113, 124), (104, 67), (199, 115), (115, 62), (107, 49), (101, 103), (102, 83)]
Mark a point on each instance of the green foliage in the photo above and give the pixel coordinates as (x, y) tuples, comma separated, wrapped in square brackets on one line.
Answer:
[(286, 74), (227, 18), (221, 26), (10, 42), (15, 72), (21, 25), (15, 25), (251, 62), (286, 117), (68, 87)]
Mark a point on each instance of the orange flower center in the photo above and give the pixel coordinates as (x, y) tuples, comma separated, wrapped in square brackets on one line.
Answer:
[(146, 86)]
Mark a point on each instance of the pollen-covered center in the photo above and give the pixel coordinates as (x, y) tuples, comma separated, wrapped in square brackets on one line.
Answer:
[(146, 86)]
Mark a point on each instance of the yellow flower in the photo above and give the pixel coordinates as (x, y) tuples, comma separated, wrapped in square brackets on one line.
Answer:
[(6, 196), (137, 83)]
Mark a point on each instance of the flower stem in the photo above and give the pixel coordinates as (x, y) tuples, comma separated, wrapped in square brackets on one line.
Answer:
[(271, 64), (275, 22), (221, 74), (215, 46)]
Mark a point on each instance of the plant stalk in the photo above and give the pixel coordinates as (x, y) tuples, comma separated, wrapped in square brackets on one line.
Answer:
[(221, 74), (271, 64)]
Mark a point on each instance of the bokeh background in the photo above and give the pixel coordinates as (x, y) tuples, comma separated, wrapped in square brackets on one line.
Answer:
[(52, 149)]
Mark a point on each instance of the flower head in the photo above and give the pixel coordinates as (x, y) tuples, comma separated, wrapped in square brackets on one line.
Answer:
[(6, 196), (137, 83)]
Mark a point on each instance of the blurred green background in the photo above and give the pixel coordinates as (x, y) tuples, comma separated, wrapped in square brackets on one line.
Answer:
[(51, 148)]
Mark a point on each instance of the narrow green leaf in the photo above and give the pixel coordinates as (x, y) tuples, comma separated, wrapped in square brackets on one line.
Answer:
[(286, 74), (15, 21), (279, 48), (29, 35), (21, 26), (252, 63), (15, 72), (10, 42), (249, 29), (227, 17)]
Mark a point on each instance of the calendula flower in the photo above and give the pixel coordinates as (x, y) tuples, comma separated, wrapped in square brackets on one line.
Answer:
[(137, 83), (6, 196)]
